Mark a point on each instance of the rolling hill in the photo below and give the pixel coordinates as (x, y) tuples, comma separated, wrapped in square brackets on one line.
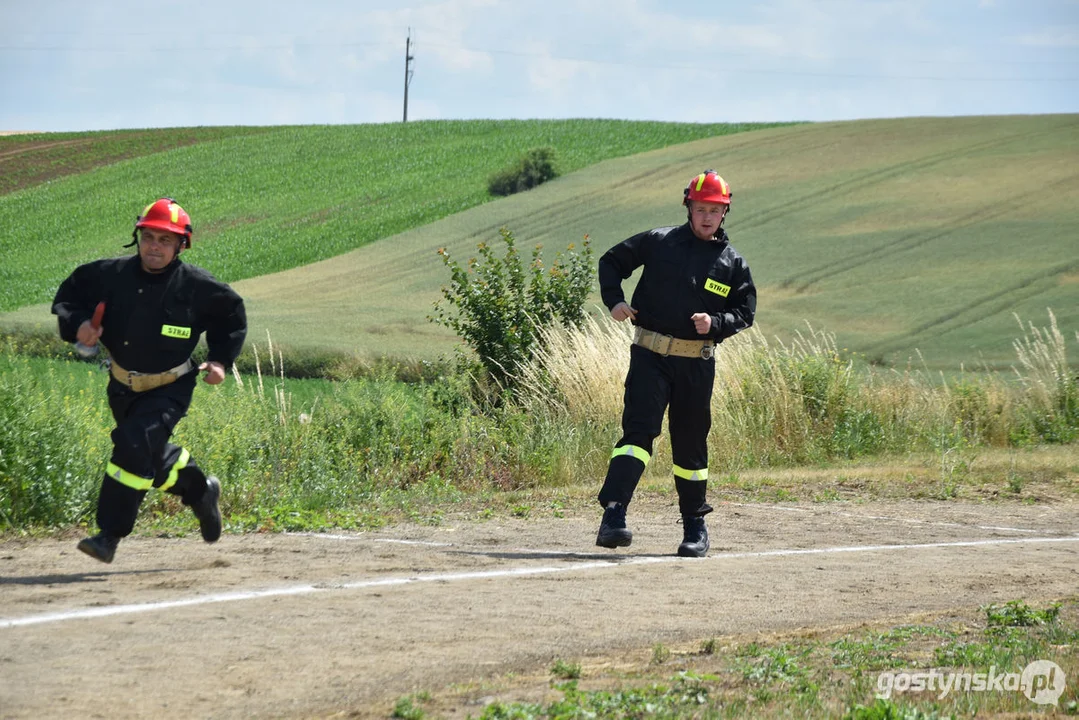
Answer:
[(275, 198), (897, 235), (916, 234)]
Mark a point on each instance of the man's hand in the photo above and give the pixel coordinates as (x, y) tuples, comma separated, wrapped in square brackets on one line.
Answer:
[(622, 311), (702, 322), (87, 334), (215, 372)]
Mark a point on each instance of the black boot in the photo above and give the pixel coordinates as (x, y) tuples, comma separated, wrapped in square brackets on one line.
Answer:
[(613, 532), (207, 512), (695, 540), (100, 547)]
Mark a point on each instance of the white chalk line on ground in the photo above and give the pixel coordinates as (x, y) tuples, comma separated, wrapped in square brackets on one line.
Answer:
[(614, 562), (333, 536), (890, 518)]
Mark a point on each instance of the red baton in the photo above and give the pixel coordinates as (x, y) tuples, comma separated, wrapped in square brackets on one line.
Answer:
[(95, 323), (99, 313)]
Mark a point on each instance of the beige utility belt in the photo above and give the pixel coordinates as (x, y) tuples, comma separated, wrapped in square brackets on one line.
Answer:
[(667, 345), (141, 382)]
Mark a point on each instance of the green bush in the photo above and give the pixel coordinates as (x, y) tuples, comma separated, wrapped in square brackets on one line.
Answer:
[(501, 307), (535, 168)]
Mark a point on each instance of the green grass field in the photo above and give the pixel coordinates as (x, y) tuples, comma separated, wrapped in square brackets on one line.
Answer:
[(896, 235), (274, 200), (918, 235)]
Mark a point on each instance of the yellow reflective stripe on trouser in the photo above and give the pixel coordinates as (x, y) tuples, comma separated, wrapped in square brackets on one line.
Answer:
[(634, 451), (138, 482), (681, 472), (177, 466)]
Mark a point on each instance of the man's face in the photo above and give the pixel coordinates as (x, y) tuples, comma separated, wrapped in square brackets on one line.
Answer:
[(705, 218), (158, 248)]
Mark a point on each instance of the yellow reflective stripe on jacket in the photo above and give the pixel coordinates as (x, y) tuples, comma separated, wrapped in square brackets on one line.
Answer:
[(681, 472), (130, 479), (633, 451), (177, 466)]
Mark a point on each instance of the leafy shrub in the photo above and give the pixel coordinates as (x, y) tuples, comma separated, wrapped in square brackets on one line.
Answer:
[(1016, 613), (566, 670), (883, 709), (535, 168), (502, 308)]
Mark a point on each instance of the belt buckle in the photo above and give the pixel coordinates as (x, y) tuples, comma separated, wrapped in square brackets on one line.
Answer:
[(667, 351), (708, 351)]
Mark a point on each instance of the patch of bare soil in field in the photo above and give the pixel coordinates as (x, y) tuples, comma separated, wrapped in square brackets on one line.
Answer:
[(316, 625)]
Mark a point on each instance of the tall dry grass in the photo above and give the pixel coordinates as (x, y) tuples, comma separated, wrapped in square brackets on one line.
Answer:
[(1050, 385), (805, 402), (586, 367)]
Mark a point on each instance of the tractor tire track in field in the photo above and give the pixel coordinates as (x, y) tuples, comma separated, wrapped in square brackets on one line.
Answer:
[(875, 177), (572, 207), (989, 211), (35, 147), (30, 163), (562, 208), (1002, 300)]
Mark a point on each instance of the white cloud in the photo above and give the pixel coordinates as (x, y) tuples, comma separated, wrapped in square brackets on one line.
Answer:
[(247, 62), (555, 76), (1051, 37), (440, 32)]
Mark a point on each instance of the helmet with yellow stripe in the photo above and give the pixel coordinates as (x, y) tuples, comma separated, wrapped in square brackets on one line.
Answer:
[(166, 214), (707, 187)]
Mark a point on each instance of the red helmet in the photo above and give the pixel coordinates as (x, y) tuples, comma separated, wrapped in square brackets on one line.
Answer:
[(165, 214), (708, 187)]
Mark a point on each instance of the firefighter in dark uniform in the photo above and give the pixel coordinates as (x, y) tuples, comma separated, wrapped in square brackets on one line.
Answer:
[(695, 291), (156, 308)]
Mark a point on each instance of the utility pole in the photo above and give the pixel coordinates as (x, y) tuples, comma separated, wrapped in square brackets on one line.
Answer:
[(408, 71)]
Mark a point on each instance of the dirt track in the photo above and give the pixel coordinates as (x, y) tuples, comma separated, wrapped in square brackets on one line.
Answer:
[(312, 626)]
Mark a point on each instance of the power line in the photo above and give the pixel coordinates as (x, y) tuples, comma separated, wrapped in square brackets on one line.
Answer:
[(187, 48), (322, 43), (759, 71), (745, 70)]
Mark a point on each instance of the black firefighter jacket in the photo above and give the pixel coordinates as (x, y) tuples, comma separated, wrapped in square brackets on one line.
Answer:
[(682, 275), (153, 322)]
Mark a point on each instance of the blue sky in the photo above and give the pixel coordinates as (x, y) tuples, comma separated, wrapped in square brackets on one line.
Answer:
[(78, 65)]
